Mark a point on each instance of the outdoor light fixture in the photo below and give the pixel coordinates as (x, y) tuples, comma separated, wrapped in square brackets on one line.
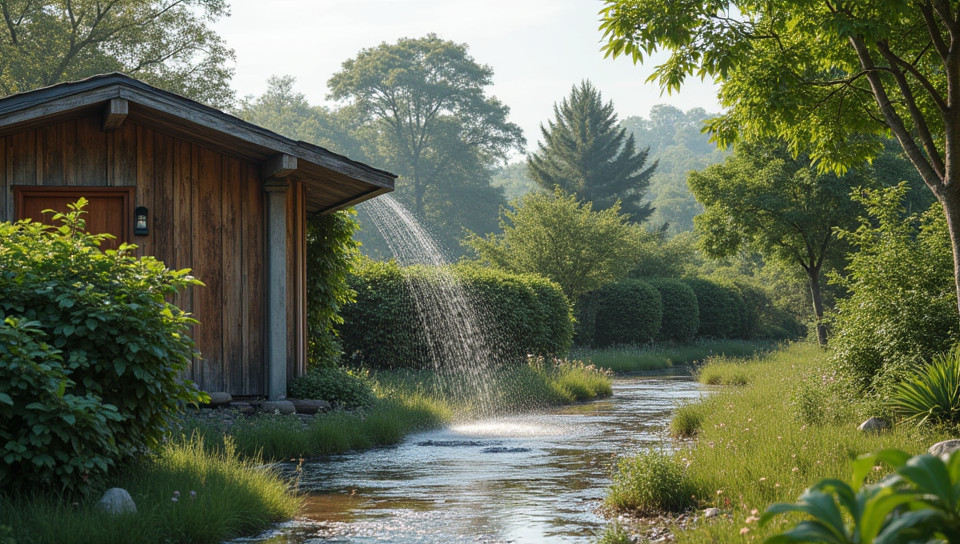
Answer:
[(140, 221)]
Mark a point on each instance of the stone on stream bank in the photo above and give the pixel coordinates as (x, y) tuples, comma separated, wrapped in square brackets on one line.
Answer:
[(942, 449), (117, 501)]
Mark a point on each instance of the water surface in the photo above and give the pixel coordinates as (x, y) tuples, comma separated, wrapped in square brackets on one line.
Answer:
[(529, 478)]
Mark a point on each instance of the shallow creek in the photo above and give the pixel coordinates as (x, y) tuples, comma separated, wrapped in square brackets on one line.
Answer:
[(528, 478)]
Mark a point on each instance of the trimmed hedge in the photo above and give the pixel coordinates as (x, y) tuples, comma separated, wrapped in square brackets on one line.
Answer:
[(628, 313), (523, 314), (721, 308), (681, 314)]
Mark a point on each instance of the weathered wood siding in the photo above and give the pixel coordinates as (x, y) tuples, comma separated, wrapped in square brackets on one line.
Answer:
[(206, 212)]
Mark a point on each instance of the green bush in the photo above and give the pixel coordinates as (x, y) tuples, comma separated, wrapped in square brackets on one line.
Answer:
[(721, 308), (628, 313), (681, 315), (902, 308), (651, 482), (122, 348), (331, 252), (523, 314), (336, 385), (933, 393)]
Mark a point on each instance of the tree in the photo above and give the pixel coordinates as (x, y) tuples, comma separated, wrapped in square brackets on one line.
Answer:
[(586, 152), (831, 78), (167, 43), (779, 206), (285, 111), (563, 239), (427, 97)]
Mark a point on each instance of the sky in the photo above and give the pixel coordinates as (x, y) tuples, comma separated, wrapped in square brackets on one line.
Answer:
[(538, 49)]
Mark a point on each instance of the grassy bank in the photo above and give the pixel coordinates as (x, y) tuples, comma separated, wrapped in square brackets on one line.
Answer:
[(219, 495), (408, 401), (661, 356), (788, 423)]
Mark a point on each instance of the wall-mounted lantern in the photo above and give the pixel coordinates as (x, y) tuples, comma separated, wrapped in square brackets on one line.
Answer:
[(140, 221)]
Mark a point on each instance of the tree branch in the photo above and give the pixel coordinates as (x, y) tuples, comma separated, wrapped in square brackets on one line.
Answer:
[(894, 121), (923, 130)]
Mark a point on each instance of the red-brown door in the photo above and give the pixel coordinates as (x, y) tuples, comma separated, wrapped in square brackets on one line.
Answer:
[(109, 209)]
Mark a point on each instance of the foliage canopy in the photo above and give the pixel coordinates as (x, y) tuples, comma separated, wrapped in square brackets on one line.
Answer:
[(563, 239), (167, 43), (830, 78)]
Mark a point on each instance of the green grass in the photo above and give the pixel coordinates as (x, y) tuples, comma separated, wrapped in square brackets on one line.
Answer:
[(233, 497), (755, 447), (661, 356), (408, 401)]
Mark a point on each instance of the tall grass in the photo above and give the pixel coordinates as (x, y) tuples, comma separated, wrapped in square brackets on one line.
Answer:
[(754, 447), (218, 496), (661, 356), (407, 401)]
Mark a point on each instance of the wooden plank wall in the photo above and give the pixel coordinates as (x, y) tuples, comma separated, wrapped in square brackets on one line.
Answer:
[(206, 213)]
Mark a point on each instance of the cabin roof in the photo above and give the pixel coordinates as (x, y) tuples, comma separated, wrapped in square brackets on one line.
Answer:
[(332, 181)]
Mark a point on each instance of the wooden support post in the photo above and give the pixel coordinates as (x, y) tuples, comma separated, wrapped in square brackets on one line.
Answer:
[(277, 328)]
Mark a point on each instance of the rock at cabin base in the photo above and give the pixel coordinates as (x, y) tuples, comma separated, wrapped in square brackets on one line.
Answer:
[(310, 406), (285, 407)]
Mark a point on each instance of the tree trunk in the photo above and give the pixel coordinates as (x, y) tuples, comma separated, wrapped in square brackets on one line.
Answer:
[(951, 209), (813, 273)]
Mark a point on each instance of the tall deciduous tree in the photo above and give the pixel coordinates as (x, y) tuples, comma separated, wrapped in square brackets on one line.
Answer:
[(829, 77), (167, 43), (585, 151), (776, 205), (561, 238), (427, 96)]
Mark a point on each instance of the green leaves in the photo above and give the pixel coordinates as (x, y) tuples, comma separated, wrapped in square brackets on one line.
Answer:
[(83, 333), (933, 393), (917, 503)]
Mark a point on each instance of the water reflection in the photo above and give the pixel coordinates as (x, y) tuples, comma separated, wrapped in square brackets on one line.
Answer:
[(524, 479)]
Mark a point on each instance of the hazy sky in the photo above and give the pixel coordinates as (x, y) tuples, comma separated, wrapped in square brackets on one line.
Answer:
[(538, 49)]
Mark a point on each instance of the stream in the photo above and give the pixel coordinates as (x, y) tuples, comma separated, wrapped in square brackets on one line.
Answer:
[(526, 478)]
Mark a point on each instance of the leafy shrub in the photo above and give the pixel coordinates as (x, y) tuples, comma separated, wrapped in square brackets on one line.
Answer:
[(719, 311), (681, 315), (336, 385), (917, 503), (902, 308), (651, 482), (331, 252), (122, 349), (933, 393), (522, 314), (628, 313), (51, 438)]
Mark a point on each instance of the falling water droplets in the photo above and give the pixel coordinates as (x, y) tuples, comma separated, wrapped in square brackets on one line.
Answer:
[(459, 334)]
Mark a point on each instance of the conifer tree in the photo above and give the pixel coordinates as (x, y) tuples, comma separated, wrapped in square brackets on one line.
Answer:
[(586, 152)]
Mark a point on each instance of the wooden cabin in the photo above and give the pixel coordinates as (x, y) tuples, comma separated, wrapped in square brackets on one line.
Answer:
[(196, 188)]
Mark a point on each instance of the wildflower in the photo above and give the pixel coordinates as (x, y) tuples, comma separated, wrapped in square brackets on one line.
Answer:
[(795, 470), (763, 479), (174, 499), (744, 530), (719, 492), (193, 494), (176, 494), (752, 519), (755, 512)]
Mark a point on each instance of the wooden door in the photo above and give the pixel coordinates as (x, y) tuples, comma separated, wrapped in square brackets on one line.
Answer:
[(109, 209)]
